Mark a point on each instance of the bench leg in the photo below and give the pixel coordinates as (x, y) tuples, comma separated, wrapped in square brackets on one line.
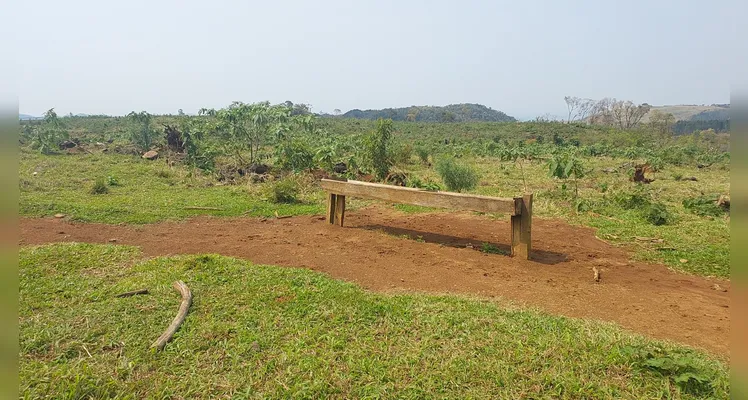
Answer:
[(331, 202), (335, 209), (339, 209), (522, 229)]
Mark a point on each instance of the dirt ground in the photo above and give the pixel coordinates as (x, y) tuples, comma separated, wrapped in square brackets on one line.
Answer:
[(645, 298)]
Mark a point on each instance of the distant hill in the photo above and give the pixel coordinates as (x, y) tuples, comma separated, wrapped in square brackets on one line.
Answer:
[(451, 113), (719, 112), (27, 117)]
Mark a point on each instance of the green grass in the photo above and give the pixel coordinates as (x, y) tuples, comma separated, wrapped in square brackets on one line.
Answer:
[(146, 191), (267, 332)]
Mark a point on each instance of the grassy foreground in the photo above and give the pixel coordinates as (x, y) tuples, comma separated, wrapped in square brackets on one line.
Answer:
[(268, 332)]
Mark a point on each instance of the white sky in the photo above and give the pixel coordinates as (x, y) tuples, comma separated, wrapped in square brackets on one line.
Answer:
[(520, 57)]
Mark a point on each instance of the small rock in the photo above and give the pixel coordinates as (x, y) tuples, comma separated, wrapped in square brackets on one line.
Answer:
[(112, 240), (718, 288), (59, 215), (35, 173), (151, 155), (259, 169), (683, 261), (340, 168), (67, 144)]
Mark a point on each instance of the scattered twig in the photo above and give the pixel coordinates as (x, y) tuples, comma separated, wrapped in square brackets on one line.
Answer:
[(281, 217), (179, 319), (203, 208), (132, 293), (87, 352)]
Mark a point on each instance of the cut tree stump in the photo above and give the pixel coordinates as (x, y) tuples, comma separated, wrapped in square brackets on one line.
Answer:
[(179, 319)]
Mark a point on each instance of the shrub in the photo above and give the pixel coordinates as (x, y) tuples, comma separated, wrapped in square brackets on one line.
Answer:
[(376, 146), (657, 214), (99, 187), (295, 155), (457, 177), (141, 132), (285, 190), (401, 153)]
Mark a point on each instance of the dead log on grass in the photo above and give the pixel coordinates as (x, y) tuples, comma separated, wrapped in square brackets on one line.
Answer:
[(203, 208), (179, 319)]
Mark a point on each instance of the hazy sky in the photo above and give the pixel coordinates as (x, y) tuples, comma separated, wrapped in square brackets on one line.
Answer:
[(520, 57)]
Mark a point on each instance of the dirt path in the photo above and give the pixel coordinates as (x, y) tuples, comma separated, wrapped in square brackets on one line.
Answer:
[(645, 298)]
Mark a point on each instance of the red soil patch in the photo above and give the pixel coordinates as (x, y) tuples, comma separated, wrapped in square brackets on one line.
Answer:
[(646, 298)]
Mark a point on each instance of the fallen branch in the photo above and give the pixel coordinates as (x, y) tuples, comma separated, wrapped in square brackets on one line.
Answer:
[(179, 319), (132, 293), (281, 216), (203, 208)]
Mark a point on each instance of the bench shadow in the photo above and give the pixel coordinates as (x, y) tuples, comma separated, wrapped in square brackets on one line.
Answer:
[(539, 256)]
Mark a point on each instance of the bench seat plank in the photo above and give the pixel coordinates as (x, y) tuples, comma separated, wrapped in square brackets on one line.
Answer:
[(398, 194)]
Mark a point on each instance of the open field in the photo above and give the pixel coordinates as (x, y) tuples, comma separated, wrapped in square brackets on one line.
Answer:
[(149, 192), (431, 306), (258, 331)]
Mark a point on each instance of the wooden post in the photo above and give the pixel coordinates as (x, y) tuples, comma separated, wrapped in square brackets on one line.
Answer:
[(331, 202), (339, 209), (522, 227)]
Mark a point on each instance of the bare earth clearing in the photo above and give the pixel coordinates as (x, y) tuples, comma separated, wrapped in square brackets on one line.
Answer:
[(646, 298)]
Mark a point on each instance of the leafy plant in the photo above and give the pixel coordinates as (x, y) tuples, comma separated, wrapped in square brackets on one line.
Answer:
[(566, 165), (682, 367), (491, 249), (112, 181), (416, 182), (518, 155), (457, 177)]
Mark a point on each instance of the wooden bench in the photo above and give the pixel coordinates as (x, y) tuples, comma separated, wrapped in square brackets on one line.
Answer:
[(520, 208)]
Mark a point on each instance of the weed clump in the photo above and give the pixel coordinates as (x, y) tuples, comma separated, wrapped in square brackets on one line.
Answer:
[(285, 190), (457, 177), (648, 209), (491, 249), (703, 206), (99, 187)]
